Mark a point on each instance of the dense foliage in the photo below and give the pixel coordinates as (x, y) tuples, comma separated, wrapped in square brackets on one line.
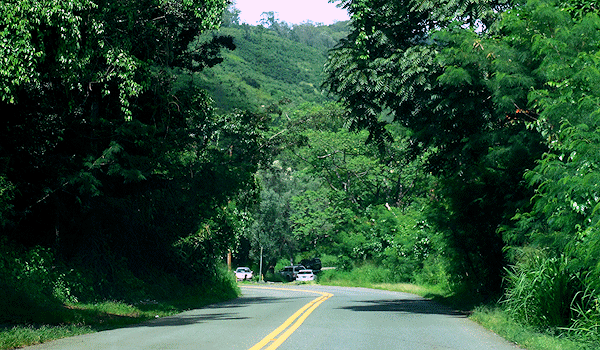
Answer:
[(502, 95), (443, 87), (103, 159), (461, 151)]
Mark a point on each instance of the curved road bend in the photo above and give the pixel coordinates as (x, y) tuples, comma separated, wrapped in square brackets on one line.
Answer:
[(287, 317)]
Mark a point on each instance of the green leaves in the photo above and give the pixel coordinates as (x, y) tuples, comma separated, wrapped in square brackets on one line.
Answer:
[(6, 195), (101, 152), (449, 75), (24, 40), (455, 76), (567, 176)]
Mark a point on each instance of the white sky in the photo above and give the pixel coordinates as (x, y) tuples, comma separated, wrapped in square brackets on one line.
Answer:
[(291, 11)]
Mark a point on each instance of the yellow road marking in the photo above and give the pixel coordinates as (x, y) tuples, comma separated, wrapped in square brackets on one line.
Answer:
[(291, 324)]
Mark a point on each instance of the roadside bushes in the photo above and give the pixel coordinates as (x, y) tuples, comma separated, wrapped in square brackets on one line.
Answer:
[(365, 275), (586, 321), (551, 292), (434, 273), (540, 290), (37, 287), (33, 281)]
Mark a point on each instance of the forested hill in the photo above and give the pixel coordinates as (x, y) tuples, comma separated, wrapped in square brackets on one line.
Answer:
[(271, 63)]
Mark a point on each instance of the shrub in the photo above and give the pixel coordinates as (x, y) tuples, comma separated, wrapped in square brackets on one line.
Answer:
[(274, 277), (328, 260), (433, 273), (365, 275), (33, 285), (281, 263), (222, 285), (344, 263), (540, 290)]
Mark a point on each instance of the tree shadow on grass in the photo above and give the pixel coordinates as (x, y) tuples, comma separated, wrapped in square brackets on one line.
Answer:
[(244, 301)]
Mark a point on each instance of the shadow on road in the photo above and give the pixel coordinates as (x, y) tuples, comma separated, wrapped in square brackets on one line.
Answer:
[(415, 306), (244, 301), (187, 319), (206, 314)]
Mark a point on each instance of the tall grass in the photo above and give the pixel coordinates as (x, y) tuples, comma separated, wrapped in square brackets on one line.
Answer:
[(500, 322), (544, 293), (540, 290), (586, 318)]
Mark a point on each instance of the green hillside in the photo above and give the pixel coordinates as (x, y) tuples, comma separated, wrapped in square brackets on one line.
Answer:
[(270, 65)]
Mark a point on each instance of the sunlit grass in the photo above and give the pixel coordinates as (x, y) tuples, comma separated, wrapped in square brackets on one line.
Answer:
[(377, 278), (424, 291), (77, 319), (18, 336), (498, 321)]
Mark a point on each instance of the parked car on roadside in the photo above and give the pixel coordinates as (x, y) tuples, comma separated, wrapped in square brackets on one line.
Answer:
[(312, 264), (243, 273), (305, 275), (289, 273)]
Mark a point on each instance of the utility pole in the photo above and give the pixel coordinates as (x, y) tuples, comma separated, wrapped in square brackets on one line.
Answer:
[(261, 273)]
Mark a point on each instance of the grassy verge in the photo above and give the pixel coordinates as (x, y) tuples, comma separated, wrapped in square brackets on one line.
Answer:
[(80, 318), (496, 320), (42, 298), (491, 317)]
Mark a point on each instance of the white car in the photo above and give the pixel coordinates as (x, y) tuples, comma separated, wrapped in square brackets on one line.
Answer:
[(305, 275), (243, 273)]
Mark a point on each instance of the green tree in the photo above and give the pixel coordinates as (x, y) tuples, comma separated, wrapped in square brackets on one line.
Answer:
[(429, 70), (562, 37), (107, 156), (271, 230), (335, 187), (231, 16), (565, 177), (6, 195), (311, 219)]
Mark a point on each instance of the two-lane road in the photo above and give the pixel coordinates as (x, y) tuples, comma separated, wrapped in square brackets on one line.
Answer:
[(287, 317)]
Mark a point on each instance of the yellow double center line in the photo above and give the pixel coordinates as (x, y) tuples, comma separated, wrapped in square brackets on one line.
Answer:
[(279, 335)]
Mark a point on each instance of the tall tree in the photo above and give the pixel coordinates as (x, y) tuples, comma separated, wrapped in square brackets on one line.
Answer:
[(426, 68), (564, 37), (104, 153)]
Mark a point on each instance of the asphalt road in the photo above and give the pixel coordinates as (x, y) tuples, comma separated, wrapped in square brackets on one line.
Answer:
[(300, 317)]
